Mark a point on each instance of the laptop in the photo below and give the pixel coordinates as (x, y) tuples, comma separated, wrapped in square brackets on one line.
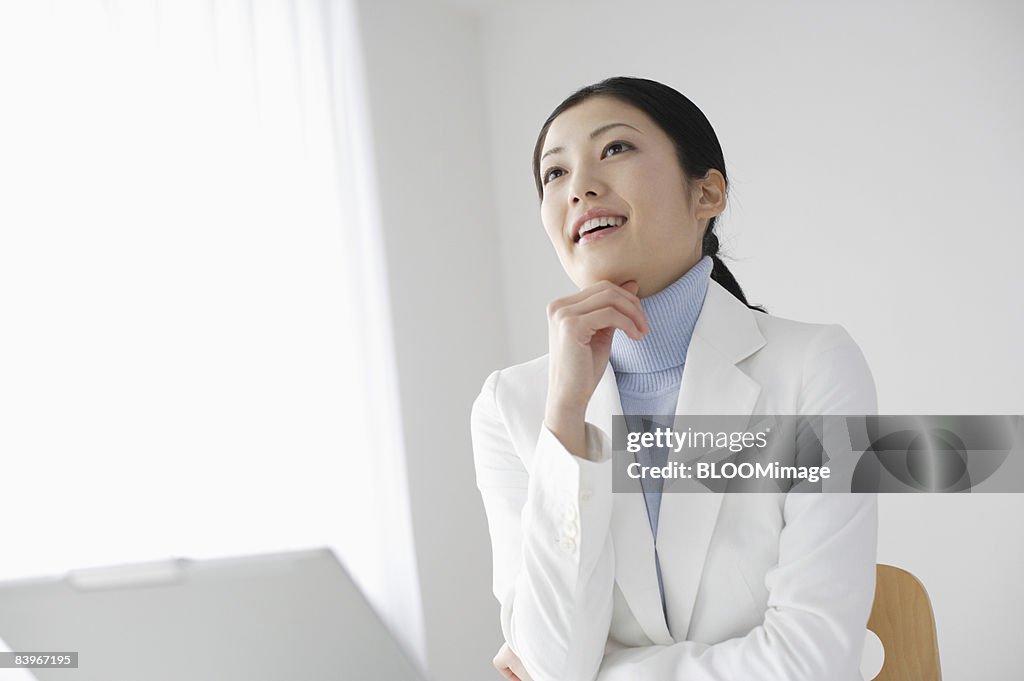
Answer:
[(294, 616)]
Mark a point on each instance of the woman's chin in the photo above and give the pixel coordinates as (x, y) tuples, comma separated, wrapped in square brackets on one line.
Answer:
[(616, 275)]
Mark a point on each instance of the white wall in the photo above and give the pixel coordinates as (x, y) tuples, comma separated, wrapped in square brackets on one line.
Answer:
[(875, 156), (425, 86)]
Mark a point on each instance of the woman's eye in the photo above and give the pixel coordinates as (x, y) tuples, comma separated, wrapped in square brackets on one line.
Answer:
[(619, 145), (548, 173), (611, 150)]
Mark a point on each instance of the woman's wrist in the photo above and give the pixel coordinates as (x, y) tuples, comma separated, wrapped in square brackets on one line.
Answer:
[(569, 426)]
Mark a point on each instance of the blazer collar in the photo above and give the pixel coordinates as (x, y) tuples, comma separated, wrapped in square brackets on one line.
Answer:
[(725, 334)]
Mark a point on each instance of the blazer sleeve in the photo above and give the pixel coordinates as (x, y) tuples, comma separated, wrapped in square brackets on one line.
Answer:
[(553, 566), (822, 588)]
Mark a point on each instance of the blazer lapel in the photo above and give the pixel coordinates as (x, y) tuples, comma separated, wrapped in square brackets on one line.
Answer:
[(631, 531), (712, 384), (725, 334)]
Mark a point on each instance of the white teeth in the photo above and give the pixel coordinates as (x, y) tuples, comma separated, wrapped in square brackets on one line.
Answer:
[(594, 223)]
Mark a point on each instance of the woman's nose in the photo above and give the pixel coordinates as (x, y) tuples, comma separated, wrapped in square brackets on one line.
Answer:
[(576, 197), (584, 183)]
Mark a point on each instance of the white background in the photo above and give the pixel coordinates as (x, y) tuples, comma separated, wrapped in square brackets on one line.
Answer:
[(876, 159), (193, 355)]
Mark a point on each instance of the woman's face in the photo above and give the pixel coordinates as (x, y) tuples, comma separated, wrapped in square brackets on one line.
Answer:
[(606, 156)]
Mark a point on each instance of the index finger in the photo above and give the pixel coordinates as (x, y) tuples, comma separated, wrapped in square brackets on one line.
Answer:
[(597, 287)]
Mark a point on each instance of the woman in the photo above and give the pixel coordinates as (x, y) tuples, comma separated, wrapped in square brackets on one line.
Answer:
[(701, 587)]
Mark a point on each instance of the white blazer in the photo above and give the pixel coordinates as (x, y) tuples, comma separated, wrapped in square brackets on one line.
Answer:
[(758, 586)]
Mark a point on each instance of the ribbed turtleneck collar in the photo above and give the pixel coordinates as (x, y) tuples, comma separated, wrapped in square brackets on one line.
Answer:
[(672, 314)]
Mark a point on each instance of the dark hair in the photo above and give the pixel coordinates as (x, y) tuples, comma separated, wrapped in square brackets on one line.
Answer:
[(696, 144)]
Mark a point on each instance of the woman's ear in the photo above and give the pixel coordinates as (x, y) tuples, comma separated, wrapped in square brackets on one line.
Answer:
[(709, 195)]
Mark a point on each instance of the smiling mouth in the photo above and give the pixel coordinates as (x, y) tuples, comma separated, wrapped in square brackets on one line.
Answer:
[(594, 232)]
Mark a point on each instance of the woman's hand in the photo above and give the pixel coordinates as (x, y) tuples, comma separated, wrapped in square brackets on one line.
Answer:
[(580, 330), (509, 665)]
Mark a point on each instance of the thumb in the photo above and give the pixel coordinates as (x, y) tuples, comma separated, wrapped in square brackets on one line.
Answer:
[(631, 286)]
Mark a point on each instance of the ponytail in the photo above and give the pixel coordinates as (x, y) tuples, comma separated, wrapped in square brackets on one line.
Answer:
[(720, 273)]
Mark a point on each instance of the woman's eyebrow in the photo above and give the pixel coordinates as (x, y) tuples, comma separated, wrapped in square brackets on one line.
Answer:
[(603, 128)]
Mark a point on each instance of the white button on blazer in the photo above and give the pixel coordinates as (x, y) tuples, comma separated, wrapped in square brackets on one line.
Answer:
[(758, 587)]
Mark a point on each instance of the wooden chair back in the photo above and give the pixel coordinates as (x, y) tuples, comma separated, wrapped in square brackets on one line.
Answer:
[(902, 619)]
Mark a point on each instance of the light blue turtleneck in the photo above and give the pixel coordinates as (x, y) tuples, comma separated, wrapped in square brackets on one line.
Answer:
[(649, 371)]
